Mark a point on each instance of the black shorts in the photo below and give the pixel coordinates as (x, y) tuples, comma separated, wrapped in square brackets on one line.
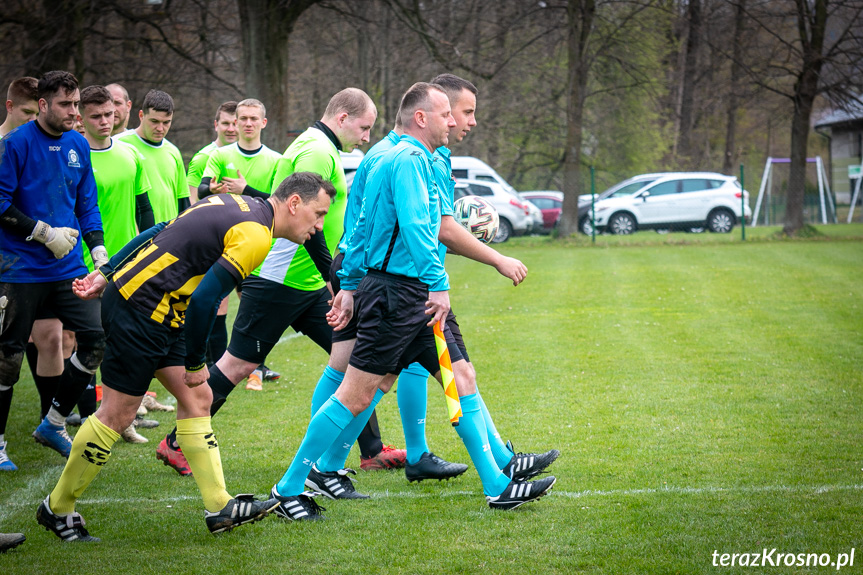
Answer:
[(26, 302), (349, 332), (136, 345), (392, 331), (267, 309), (452, 324)]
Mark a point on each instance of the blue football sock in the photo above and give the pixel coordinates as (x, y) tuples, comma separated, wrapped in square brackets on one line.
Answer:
[(327, 385), (471, 429), (502, 455), (412, 396), (324, 428), (336, 455)]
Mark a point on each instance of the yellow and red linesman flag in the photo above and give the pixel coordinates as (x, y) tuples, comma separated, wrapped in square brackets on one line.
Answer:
[(450, 392)]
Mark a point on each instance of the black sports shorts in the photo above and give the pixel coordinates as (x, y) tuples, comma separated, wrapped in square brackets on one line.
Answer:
[(268, 308), (136, 345), (392, 331)]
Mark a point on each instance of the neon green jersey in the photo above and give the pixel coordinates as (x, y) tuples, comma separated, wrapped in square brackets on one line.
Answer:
[(198, 163), (287, 262), (258, 168), (120, 176), (164, 167)]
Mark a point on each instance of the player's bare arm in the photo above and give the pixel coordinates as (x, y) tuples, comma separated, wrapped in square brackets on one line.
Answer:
[(463, 243)]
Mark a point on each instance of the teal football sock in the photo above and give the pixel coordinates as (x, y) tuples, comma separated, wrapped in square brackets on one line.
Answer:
[(471, 429), (412, 394), (327, 385), (336, 455), (324, 428), (502, 455)]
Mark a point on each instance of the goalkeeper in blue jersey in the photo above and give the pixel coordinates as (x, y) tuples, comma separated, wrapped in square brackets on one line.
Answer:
[(47, 204)]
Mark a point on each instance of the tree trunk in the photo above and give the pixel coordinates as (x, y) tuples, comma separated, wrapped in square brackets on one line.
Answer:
[(736, 71), (690, 71), (812, 26), (581, 14), (266, 27)]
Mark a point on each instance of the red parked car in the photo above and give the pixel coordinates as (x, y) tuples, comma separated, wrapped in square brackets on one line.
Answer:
[(550, 203)]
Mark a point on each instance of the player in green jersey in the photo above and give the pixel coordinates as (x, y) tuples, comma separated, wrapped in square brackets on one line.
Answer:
[(123, 199), (162, 160), (225, 126), (247, 166)]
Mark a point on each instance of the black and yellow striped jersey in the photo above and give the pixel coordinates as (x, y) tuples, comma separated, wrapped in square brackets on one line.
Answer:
[(234, 231)]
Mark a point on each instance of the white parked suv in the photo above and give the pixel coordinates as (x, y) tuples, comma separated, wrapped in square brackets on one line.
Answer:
[(688, 201)]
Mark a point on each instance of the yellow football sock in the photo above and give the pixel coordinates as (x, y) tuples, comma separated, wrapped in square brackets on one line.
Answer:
[(196, 439), (91, 449)]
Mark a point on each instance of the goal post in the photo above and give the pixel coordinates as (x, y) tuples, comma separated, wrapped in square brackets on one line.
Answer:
[(771, 205)]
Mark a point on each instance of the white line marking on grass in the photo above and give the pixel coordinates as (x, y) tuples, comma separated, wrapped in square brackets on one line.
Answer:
[(40, 486), (816, 489)]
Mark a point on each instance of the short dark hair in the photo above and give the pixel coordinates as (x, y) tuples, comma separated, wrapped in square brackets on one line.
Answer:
[(229, 107), (23, 90), (417, 97), (158, 101), (52, 82), (95, 96), (453, 85), (307, 185)]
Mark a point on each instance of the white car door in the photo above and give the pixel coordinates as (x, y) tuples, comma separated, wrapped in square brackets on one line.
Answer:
[(694, 201), (660, 206)]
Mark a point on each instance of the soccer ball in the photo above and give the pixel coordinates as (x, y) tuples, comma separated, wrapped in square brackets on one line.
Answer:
[(477, 216)]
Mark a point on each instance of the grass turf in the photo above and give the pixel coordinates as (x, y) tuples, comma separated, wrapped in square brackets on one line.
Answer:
[(705, 395)]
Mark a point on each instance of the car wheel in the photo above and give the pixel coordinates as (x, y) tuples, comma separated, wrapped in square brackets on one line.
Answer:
[(504, 231), (621, 224), (585, 227), (720, 221)]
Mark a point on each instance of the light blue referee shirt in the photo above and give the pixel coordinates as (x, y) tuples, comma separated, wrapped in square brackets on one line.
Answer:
[(402, 220)]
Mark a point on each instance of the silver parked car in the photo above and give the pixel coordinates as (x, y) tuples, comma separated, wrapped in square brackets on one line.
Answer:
[(515, 218), (675, 200)]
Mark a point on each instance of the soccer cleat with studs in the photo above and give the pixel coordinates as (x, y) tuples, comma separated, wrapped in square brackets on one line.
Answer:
[(253, 382), (6, 463), (302, 507), (389, 458), (69, 527), (10, 541), (240, 510), (524, 466), (333, 484), (269, 374), (518, 493), (173, 458), (53, 436), (430, 466)]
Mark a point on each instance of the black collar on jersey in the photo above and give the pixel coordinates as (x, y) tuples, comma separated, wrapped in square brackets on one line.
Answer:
[(154, 144), (246, 152), (329, 133), (52, 136)]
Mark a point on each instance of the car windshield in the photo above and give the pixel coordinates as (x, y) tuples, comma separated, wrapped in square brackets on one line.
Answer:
[(628, 189)]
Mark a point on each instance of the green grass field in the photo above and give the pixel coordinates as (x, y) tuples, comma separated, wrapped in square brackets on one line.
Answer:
[(706, 395)]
